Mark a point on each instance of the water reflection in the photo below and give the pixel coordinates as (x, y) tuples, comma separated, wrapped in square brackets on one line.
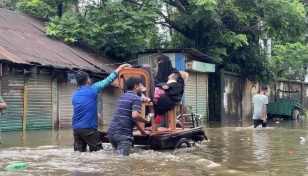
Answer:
[(35, 138), (231, 150), (260, 147)]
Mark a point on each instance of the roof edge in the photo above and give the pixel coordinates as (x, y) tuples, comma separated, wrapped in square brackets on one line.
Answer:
[(197, 55)]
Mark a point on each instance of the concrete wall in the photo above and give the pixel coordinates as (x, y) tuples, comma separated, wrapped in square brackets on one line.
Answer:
[(249, 90), (231, 95), (235, 95), (305, 96)]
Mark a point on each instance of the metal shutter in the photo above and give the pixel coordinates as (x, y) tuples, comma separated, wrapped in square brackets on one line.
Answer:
[(12, 91), (202, 93), (39, 108), (109, 96), (66, 90), (191, 91)]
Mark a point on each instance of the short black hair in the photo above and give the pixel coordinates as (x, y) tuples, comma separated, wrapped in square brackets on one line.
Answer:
[(82, 78), (131, 82), (264, 88)]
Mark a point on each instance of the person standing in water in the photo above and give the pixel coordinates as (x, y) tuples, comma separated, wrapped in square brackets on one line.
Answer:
[(259, 104)]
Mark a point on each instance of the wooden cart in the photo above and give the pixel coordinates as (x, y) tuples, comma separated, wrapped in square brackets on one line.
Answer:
[(168, 137)]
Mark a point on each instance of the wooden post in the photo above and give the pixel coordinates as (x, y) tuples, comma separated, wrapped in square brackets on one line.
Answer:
[(182, 117), (289, 85), (143, 114), (172, 118), (53, 110), (1, 69), (221, 91), (24, 119), (143, 107), (301, 97)]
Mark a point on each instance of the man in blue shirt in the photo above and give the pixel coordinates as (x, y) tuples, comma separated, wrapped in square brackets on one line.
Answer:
[(85, 110), (126, 117)]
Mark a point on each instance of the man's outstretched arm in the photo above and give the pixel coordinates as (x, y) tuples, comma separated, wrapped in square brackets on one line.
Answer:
[(98, 86)]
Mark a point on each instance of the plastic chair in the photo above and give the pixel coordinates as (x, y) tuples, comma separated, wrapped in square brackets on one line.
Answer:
[(137, 72)]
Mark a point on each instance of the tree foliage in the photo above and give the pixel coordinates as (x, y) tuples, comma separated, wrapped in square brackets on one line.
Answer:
[(38, 8), (227, 30), (113, 27), (9, 4), (290, 61)]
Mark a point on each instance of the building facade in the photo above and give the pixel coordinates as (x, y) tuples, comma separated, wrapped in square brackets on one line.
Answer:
[(37, 72), (196, 64)]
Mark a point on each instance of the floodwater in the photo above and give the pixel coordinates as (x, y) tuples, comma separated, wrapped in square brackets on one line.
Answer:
[(234, 149)]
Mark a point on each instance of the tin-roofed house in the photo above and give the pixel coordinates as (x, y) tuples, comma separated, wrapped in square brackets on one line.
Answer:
[(196, 63), (36, 74)]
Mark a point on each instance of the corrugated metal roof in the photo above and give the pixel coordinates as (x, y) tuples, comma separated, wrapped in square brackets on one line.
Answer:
[(195, 54), (23, 41)]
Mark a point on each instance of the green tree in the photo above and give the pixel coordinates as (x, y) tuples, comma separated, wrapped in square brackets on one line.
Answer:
[(290, 61), (47, 8), (8, 4), (38, 8), (227, 30), (113, 28)]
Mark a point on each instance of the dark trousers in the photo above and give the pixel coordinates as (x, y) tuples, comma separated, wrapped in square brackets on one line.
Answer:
[(257, 122), (84, 137)]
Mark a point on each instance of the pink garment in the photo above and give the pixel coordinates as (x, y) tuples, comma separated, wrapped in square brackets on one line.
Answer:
[(158, 92)]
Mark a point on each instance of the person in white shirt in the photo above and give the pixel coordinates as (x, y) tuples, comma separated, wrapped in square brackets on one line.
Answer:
[(259, 104)]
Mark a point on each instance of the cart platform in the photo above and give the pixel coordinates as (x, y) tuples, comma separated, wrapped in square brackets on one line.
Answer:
[(164, 138)]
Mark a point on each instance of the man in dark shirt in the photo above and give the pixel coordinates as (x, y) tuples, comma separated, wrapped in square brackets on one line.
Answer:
[(126, 117), (85, 110)]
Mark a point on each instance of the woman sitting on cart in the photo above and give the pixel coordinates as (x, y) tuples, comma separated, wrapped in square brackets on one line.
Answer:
[(173, 95)]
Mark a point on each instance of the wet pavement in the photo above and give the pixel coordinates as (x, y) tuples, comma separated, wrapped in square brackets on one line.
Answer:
[(233, 149)]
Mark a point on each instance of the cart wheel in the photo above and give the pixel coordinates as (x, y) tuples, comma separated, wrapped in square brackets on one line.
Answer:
[(182, 143), (295, 114), (193, 143)]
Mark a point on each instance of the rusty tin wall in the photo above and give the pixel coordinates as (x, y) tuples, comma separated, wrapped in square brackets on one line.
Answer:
[(291, 85)]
